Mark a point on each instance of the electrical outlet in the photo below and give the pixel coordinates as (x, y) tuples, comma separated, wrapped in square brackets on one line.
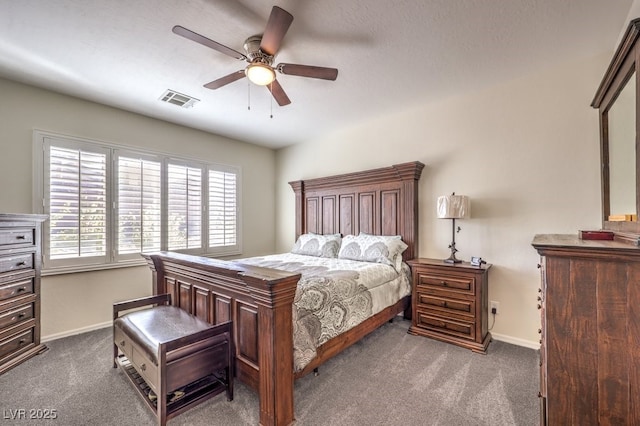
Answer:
[(495, 305)]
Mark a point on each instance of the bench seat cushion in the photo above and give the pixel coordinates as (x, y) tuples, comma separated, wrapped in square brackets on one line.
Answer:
[(150, 327)]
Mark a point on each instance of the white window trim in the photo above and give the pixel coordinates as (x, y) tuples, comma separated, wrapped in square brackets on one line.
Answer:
[(114, 261)]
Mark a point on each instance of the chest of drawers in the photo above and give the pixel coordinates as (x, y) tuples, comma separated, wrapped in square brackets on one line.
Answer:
[(449, 302), (20, 264), (590, 333)]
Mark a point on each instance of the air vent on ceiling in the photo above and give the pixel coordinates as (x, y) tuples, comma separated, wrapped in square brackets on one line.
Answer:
[(180, 99)]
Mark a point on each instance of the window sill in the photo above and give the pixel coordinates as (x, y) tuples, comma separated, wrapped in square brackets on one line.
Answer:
[(123, 264)]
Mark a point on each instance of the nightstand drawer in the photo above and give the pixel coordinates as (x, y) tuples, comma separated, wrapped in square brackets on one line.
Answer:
[(461, 329), (463, 285), (448, 305)]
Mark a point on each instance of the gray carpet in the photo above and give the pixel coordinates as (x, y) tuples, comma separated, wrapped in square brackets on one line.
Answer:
[(389, 378)]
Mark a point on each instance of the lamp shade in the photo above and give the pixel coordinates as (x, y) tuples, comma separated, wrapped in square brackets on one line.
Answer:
[(454, 207)]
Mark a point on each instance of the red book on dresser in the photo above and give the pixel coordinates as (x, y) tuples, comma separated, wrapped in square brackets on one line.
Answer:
[(595, 235)]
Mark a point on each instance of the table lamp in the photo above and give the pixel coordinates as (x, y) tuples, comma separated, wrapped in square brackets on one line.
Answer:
[(453, 207)]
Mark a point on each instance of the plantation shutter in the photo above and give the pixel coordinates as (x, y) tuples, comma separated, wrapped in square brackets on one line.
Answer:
[(184, 207), (223, 209), (139, 205), (77, 201)]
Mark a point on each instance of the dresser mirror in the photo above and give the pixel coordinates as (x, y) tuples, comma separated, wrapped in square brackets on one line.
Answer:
[(616, 100), (622, 151)]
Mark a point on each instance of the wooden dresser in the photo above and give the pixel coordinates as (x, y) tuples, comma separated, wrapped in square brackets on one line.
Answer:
[(20, 263), (449, 303), (590, 346)]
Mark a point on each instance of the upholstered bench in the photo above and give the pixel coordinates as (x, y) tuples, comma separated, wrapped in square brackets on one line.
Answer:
[(174, 359)]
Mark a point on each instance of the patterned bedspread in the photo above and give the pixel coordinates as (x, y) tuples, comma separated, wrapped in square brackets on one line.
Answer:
[(333, 296)]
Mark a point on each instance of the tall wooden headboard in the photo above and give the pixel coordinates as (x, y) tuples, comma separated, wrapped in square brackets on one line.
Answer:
[(380, 202)]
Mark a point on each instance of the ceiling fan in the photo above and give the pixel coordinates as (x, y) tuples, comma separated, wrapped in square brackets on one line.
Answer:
[(260, 53)]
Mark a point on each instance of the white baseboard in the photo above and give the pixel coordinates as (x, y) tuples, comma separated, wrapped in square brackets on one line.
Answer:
[(516, 341), (76, 331)]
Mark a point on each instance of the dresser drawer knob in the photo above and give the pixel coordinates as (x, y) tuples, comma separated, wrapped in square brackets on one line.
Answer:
[(539, 290), (539, 266), (143, 367), (444, 283), (539, 298), (122, 343), (21, 289), (22, 341), (23, 263), (539, 306), (21, 237), (539, 394), (539, 331), (21, 315), (540, 341)]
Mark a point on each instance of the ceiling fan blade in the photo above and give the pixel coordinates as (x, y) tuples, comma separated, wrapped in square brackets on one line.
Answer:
[(182, 31), (278, 93), (223, 81), (308, 71), (277, 26)]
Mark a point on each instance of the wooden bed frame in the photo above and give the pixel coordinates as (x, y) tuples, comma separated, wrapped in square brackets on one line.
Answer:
[(259, 300)]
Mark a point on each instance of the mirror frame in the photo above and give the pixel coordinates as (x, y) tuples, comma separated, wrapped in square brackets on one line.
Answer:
[(623, 66)]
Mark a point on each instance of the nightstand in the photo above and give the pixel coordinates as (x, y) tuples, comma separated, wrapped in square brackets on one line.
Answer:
[(449, 302)]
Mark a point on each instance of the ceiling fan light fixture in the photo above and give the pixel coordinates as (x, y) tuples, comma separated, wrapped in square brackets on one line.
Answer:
[(260, 74)]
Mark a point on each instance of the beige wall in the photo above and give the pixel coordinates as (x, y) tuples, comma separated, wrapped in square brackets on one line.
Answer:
[(525, 152), (75, 302)]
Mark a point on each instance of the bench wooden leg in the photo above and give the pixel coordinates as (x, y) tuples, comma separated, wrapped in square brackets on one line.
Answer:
[(161, 397), (115, 350)]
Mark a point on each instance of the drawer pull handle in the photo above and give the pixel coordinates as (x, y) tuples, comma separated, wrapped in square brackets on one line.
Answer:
[(539, 298), (539, 290), (143, 367), (22, 341), (539, 331), (539, 306), (21, 315), (122, 343), (23, 263), (21, 289), (21, 237), (539, 394), (539, 266)]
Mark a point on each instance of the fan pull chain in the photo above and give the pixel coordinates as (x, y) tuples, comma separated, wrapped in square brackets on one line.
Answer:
[(271, 102), (248, 95)]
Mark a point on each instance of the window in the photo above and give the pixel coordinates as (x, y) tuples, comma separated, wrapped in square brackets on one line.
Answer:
[(223, 223), (184, 212), (107, 204), (139, 205)]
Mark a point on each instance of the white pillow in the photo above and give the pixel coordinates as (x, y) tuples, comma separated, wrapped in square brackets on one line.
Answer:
[(385, 249), (317, 245)]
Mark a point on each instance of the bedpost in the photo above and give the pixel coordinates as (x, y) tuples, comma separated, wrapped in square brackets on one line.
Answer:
[(298, 189), (275, 322), (409, 174), (155, 283)]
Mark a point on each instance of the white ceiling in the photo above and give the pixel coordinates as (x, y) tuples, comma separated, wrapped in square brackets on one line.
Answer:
[(390, 54)]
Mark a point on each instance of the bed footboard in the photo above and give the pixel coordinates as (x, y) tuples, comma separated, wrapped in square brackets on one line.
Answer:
[(258, 301)]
